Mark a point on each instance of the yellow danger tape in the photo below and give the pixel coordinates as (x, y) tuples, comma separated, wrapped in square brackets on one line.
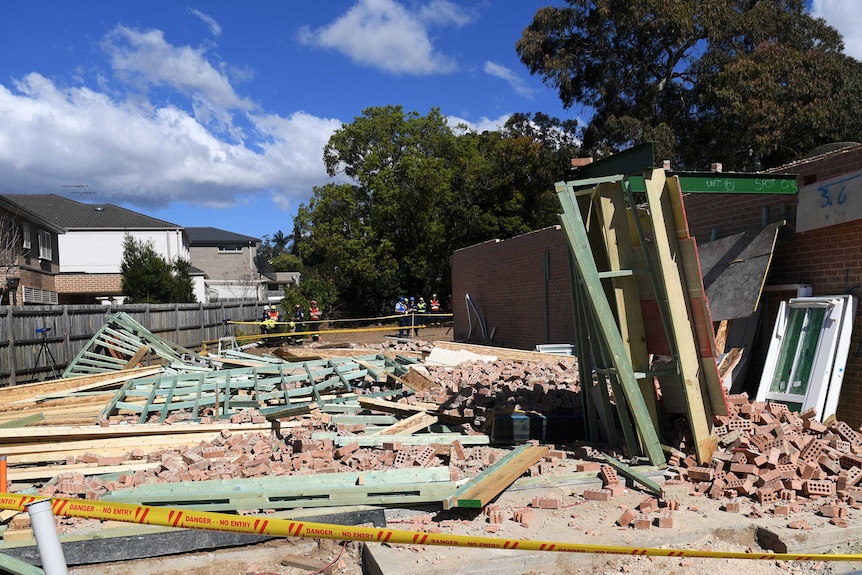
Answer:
[(146, 515)]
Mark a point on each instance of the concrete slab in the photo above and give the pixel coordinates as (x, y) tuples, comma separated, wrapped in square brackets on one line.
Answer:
[(700, 523)]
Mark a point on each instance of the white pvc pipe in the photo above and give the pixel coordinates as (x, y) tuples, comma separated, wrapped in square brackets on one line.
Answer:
[(47, 538)]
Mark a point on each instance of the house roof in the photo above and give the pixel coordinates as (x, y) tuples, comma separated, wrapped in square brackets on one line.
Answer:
[(14, 208), (207, 236), (73, 215)]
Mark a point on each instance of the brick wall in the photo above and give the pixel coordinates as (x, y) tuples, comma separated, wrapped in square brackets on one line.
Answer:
[(506, 281), (99, 284), (829, 259), (506, 278)]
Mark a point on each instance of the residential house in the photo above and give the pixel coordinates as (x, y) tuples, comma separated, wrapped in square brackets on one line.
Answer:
[(29, 255), (228, 261), (92, 247)]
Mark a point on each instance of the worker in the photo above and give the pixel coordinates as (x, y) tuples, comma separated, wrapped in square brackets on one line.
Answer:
[(267, 324), (435, 309), (314, 318), (421, 314), (411, 311), (298, 318), (401, 311)]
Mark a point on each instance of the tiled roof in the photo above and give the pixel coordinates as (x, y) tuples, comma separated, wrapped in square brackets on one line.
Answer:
[(206, 236), (73, 215)]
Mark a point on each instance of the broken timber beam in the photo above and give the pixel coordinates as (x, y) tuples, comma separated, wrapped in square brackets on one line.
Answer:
[(408, 426), (496, 478)]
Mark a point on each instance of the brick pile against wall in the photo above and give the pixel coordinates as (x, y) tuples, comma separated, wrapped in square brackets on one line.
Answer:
[(506, 281)]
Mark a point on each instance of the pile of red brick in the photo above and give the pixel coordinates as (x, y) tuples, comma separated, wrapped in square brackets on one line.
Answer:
[(476, 389), (775, 456)]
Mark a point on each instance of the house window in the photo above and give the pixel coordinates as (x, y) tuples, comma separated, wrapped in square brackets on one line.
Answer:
[(44, 245), (25, 235), (229, 249)]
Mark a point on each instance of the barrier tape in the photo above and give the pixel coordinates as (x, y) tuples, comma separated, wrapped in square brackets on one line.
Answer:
[(255, 525)]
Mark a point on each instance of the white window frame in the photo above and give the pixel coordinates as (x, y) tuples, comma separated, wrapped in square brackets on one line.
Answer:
[(230, 249), (25, 235), (826, 373), (45, 248)]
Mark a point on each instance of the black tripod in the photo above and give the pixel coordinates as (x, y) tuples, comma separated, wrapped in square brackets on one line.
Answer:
[(47, 350)]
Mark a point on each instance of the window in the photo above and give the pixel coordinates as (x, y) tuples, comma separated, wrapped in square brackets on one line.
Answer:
[(25, 235), (229, 249), (44, 245)]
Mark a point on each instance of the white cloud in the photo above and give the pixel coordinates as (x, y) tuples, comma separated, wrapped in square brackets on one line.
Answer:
[(386, 35), (215, 28), (147, 59), (509, 76), (482, 125), (844, 16), (149, 155)]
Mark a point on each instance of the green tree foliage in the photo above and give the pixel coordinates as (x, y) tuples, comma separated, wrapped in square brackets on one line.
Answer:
[(420, 190), (148, 278), (270, 250), (744, 82), (286, 263), (313, 286)]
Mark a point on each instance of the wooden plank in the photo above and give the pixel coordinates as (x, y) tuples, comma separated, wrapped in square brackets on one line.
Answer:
[(412, 424), (580, 246), (17, 567), (23, 421), (416, 439), (496, 478), (665, 230), (620, 256), (634, 475), (29, 391), (61, 433), (505, 353), (137, 358), (50, 471)]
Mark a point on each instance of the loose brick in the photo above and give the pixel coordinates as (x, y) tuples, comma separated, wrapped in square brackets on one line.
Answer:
[(627, 518), (597, 494)]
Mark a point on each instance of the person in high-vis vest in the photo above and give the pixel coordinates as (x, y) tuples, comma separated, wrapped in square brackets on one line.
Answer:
[(435, 309), (421, 313), (314, 319)]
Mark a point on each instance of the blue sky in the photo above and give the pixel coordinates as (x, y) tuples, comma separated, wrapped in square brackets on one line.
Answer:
[(216, 113)]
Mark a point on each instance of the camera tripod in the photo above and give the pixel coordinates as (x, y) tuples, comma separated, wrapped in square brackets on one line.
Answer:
[(44, 348)]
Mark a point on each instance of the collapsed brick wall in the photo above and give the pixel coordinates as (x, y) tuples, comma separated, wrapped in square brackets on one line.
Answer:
[(828, 259), (506, 281)]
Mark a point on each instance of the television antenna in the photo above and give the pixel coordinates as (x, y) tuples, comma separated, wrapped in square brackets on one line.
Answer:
[(83, 189)]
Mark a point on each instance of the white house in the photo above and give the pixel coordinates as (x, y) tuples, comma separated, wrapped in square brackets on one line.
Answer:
[(91, 250)]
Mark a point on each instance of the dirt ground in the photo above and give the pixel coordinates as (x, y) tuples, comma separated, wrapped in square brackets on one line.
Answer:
[(700, 524)]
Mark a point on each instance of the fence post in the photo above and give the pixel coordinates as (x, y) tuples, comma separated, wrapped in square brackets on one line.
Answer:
[(13, 363), (67, 341)]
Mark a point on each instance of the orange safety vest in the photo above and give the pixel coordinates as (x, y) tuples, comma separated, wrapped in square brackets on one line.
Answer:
[(435, 305), (313, 313)]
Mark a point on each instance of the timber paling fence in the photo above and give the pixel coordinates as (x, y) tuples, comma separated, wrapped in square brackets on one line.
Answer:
[(38, 342)]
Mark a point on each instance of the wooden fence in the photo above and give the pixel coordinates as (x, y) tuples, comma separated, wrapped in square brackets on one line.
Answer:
[(38, 342)]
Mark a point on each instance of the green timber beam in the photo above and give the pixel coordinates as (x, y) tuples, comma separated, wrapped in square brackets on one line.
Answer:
[(576, 233)]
